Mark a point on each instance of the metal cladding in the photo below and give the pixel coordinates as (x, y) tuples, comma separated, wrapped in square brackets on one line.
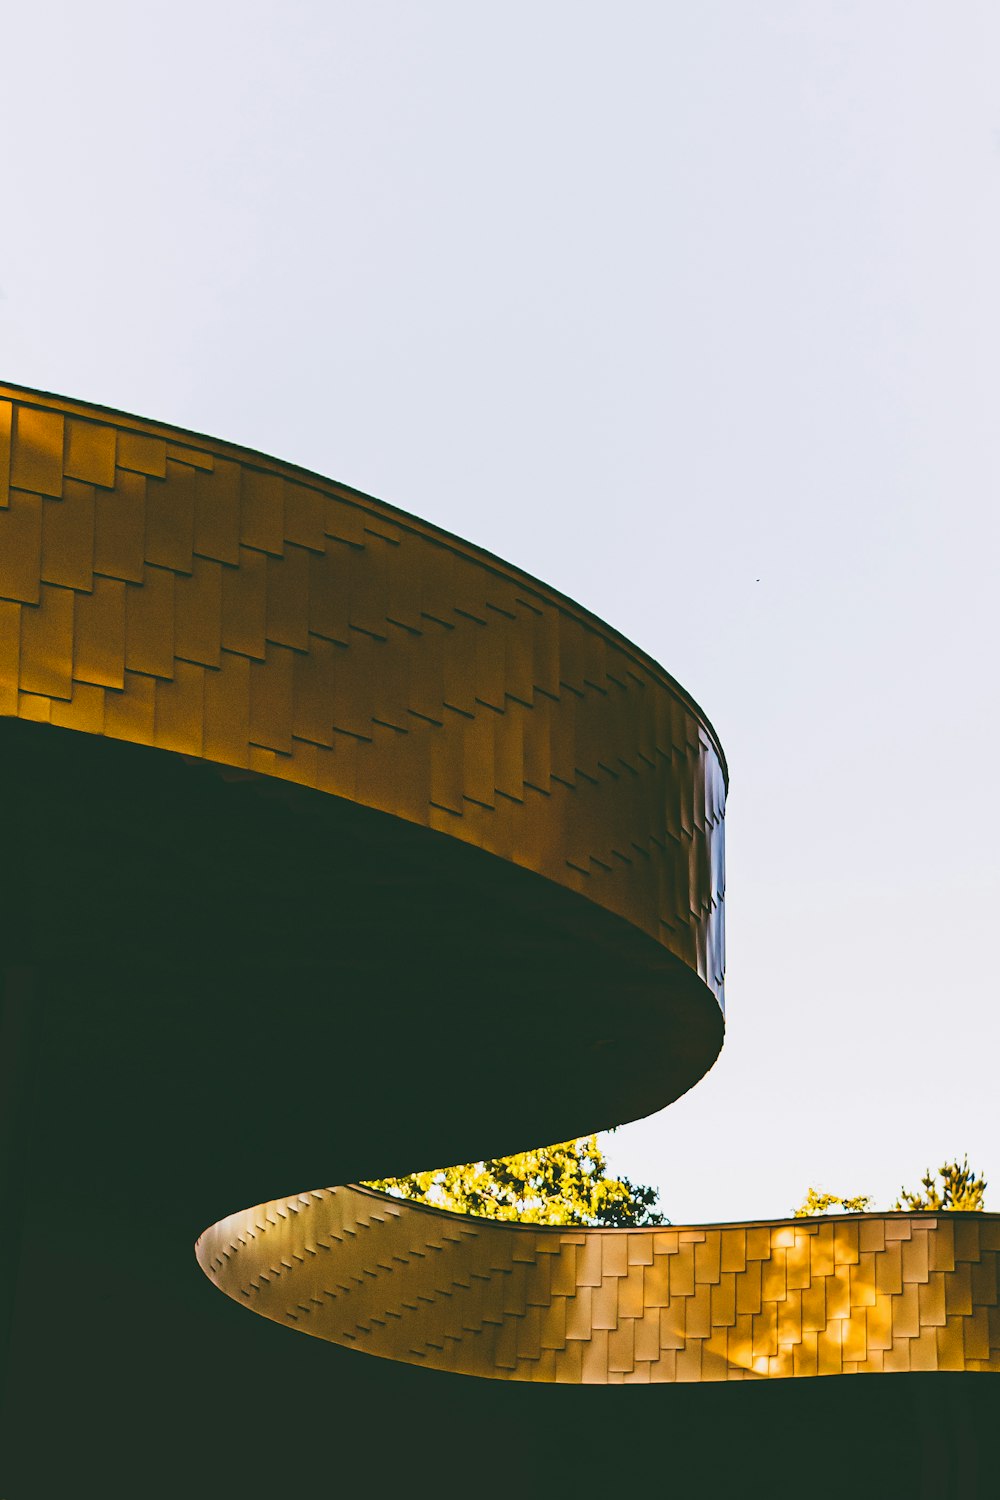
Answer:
[(487, 748), (177, 592), (846, 1295)]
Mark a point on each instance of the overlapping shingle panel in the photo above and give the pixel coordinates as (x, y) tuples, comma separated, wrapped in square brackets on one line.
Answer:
[(323, 640), (742, 1301)]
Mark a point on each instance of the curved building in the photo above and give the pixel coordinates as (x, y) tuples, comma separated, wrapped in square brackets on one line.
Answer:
[(337, 847)]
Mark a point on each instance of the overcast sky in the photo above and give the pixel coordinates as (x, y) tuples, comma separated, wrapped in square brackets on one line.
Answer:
[(693, 311)]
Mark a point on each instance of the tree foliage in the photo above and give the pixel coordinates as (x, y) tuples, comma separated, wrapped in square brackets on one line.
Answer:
[(563, 1184), (959, 1188), (829, 1203), (955, 1187)]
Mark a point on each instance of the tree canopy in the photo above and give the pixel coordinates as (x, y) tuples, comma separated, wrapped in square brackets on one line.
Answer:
[(564, 1184), (956, 1187), (829, 1203), (959, 1188)]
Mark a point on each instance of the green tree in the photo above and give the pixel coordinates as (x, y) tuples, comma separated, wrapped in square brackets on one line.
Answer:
[(959, 1188), (563, 1184), (955, 1187), (815, 1203)]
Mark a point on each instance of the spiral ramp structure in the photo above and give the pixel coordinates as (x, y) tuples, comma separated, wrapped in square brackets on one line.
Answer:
[(335, 848)]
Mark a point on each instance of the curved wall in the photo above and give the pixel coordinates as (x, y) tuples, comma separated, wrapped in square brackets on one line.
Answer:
[(175, 591), (851, 1294)]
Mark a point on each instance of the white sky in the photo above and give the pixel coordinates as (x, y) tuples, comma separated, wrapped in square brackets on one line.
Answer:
[(693, 311)]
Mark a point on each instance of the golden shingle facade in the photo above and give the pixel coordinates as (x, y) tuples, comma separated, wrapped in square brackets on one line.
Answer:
[(845, 1295), (175, 591)]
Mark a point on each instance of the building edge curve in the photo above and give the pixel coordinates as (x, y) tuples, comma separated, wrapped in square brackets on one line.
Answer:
[(767, 1299), (179, 592)]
